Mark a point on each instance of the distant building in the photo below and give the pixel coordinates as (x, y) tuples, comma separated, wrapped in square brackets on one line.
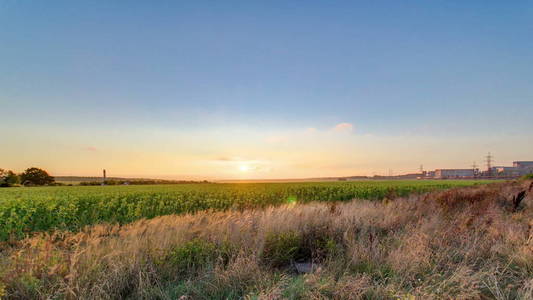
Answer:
[(502, 171), (523, 167), (519, 168), (523, 164), (453, 173)]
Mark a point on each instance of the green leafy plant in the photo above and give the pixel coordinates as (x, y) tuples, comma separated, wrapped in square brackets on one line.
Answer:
[(24, 211)]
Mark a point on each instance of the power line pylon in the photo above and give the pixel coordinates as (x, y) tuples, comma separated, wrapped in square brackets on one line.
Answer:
[(474, 169), (489, 164)]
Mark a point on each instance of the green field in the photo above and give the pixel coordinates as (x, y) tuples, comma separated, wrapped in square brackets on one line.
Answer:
[(27, 210)]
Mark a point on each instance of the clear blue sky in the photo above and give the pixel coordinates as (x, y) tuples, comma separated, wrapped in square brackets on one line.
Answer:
[(94, 80)]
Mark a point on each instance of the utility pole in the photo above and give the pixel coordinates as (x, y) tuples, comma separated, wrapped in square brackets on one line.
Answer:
[(489, 165), (103, 178)]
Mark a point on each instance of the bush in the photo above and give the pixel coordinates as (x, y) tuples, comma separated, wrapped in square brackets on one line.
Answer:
[(282, 248), (318, 244), (191, 256)]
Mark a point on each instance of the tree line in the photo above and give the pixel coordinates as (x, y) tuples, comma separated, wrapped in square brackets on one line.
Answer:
[(30, 177), (140, 182)]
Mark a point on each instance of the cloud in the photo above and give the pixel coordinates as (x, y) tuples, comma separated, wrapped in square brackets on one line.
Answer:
[(91, 149), (343, 127)]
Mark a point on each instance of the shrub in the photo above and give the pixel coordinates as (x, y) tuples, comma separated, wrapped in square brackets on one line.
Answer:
[(282, 248), (191, 256), (461, 198), (318, 244)]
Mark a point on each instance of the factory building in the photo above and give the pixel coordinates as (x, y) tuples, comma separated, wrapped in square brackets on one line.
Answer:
[(519, 168), (506, 171), (523, 164), (453, 173)]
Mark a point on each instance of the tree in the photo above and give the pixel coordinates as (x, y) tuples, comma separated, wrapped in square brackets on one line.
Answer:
[(3, 182), (8, 178), (11, 178), (36, 176)]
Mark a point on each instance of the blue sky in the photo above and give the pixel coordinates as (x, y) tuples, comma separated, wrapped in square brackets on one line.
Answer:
[(191, 82)]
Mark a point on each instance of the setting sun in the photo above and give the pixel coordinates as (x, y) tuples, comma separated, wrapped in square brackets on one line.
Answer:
[(244, 168)]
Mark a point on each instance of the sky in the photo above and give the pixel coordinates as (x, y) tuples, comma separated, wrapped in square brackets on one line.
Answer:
[(263, 89)]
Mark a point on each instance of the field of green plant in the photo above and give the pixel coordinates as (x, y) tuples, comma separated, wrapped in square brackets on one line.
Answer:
[(27, 210)]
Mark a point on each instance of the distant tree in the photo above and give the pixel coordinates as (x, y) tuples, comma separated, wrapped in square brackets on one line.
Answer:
[(36, 176), (11, 178), (3, 182), (8, 178)]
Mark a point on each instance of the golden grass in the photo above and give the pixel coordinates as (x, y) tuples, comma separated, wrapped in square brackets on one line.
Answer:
[(466, 243)]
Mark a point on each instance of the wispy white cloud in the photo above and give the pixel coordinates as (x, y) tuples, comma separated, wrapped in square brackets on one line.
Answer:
[(343, 127)]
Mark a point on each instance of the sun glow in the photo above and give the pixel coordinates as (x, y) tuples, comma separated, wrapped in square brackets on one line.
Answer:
[(244, 168)]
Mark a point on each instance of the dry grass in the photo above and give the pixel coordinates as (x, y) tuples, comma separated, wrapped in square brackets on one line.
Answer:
[(468, 243)]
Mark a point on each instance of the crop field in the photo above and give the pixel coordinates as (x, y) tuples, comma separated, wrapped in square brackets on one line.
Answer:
[(464, 243), (27, 210)]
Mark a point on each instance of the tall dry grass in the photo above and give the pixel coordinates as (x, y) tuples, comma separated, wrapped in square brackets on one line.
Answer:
[(468, 243)]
